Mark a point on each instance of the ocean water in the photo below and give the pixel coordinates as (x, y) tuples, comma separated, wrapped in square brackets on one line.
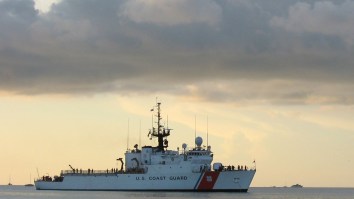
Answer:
[(22, 192)]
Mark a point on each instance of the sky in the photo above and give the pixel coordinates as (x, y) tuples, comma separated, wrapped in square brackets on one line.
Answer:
[(274, 78)]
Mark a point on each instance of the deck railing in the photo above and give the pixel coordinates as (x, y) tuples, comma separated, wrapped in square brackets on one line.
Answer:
[(99, 172)]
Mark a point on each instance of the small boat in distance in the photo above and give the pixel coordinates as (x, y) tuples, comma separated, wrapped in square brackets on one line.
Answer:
[(9, 184)]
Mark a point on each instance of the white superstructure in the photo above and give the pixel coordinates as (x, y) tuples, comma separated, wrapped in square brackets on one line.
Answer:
[(157, 169)]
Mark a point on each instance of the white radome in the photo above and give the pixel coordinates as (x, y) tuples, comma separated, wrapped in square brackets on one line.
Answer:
[(198, 141)]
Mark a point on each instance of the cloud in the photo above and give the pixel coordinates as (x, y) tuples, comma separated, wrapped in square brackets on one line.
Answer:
[(324, 17), (15, 17), (276, 92), (44, 5), (221, 51), (171, 12)]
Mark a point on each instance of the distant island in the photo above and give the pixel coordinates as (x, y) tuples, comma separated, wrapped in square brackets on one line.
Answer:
[(29, 185), (296, 186), (293, 186)]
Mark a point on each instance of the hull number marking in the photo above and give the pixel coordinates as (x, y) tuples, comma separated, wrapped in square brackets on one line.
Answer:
[(155, 178)]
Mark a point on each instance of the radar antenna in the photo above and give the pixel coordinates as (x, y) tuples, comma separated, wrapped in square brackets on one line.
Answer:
[(160, 132)]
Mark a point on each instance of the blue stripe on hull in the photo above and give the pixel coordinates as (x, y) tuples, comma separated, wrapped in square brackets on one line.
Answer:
[(200, 177)]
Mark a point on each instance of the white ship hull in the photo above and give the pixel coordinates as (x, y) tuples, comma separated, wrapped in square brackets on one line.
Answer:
[(234, 181), (157, 169)]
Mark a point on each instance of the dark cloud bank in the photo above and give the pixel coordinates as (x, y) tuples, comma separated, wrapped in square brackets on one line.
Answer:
[(282, 52)]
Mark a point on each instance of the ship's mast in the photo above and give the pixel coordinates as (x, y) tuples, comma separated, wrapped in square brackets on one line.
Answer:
[(159, 126), (160, 132)]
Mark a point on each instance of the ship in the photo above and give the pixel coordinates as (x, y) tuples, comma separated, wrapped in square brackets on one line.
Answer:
[(157, 168)]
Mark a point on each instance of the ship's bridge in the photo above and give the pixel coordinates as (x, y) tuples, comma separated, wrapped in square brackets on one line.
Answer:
[(159, 156), (199, 157), (199, 154)]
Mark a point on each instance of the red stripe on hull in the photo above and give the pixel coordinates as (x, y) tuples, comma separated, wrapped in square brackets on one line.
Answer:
[(208, 181)]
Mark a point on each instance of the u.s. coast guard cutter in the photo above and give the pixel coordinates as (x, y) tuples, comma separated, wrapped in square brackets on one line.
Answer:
[(157, 169)]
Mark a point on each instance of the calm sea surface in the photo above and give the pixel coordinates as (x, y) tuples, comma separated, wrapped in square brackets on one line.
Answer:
[(22, 192)]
